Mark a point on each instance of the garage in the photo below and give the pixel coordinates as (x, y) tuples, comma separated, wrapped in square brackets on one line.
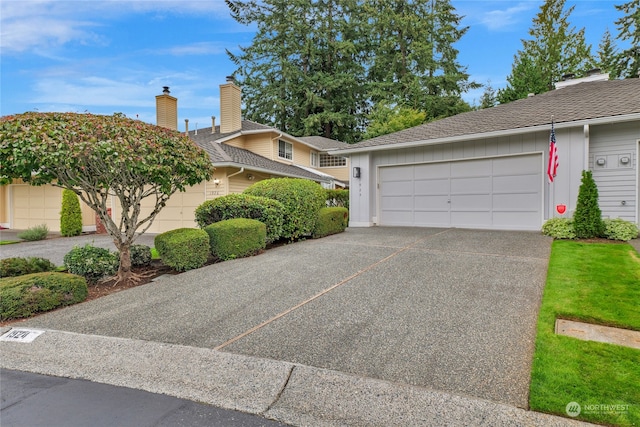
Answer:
[(33, 206), (494, 193)]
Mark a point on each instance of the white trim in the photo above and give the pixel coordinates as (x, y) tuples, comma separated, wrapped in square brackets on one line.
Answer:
[(88, 228), (528, 153), (357, 224), (493, 134)]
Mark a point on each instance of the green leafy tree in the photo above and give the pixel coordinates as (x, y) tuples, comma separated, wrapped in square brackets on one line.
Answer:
[(103, 158), (385, 119), (608, 57), (70, 214), (629, 29), (555, 49), (587, 219)]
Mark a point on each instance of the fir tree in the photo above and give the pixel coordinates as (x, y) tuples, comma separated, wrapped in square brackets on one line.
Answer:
[(629, 28), (608, 57)]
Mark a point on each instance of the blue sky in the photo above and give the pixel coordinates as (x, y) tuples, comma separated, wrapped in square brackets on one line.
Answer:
[(115, 56)]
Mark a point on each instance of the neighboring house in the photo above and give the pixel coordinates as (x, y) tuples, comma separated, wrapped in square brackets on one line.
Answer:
[(242, 152), (487, 168)]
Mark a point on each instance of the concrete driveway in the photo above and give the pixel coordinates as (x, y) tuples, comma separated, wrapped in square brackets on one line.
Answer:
[(451, 310)]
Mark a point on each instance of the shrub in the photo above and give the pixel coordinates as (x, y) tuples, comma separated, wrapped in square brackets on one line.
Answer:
[(39, 232), (268, 211), (183, 248), (301, 198), (70, 214), (10, 267), (140, 255), (236, 238), (91, 262), (34, 293), (587, 219), (338, 198), (331, 221), (559, 228), (619, 229)]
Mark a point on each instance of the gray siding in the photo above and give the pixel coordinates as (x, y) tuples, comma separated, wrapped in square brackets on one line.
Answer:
[(617, 182)]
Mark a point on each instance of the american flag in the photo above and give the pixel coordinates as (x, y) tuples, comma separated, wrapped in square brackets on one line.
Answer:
[(552, 167)]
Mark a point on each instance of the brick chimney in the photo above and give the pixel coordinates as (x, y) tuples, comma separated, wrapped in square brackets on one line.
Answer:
[(230, 108), (167, 110)]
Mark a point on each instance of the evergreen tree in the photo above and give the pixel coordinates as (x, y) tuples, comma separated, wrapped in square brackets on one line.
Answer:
[(385, 119), (555, 49), (317, 67), (489, 98), (629, 28), (587, 219), (70, 214), (608, 57)]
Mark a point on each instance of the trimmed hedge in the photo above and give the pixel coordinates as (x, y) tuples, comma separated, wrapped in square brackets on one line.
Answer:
[(559, 228), (183, 248), (91, 262), (339, 198), (268, 211), (26, 295), (331, 221), (11, 267), (236, 238), (70, 214), (301, 198)]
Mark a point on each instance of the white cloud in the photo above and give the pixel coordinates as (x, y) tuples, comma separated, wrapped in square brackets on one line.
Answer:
[(198, 48), (499, 19), (46, 24)]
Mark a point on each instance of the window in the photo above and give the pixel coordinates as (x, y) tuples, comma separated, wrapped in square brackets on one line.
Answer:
[(314, 159), (285, 150), (329, 161)]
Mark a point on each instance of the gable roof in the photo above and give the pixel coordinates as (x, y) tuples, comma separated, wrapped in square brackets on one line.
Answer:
[(323, 144), (580, 102), (222, 154)]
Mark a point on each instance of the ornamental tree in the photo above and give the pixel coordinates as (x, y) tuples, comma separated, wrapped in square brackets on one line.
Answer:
[(104, 160)]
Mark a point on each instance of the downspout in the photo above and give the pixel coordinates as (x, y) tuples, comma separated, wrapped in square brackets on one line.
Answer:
[(586, 147), (236, 173)]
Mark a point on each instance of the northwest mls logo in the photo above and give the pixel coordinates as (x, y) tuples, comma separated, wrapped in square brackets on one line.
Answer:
[(573, 409)]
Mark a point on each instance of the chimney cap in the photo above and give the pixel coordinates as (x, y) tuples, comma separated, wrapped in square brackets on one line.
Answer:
[(165, 89), (568, 76), (594, 72), (231, 79)]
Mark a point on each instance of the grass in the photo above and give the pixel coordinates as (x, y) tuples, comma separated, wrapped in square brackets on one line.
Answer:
[(9, 242), (596, 283)]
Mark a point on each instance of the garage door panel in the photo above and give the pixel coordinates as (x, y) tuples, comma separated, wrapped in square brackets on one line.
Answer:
[(471, 168), (516, 184), (399, 188), (471, 185), (504, 192), (432, 203), (516, 165), (431, 187)]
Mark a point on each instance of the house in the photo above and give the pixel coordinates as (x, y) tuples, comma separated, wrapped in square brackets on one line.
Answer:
[(242, 152), (487, 168)]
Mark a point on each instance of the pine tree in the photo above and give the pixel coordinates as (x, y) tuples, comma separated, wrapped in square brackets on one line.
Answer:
[(489, 98), (629, 28), (555, 49), (608, 57), (70, 214), (587, 219)]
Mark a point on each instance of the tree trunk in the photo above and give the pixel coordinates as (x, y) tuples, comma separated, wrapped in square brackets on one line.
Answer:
[(124, 272)]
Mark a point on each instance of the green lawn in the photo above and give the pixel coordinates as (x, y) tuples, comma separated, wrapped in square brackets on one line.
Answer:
[(597, 283)]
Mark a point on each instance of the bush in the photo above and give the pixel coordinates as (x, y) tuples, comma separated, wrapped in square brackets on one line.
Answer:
[(559, 228), (268, 211), (34, 293), (70, 214), (331, 221), (10, 267), (301, 198), (339, 198), (587, 219), (619, 229), (184, 248), (91, 262), (236, 238), (39, 232), (140, 255)]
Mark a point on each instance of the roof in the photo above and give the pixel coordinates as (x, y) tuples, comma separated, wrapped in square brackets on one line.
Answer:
[(322, 144), (583, 101), (222, 154)]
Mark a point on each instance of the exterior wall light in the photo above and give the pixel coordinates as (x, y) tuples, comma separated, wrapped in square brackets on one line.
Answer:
[(356, 172), (624, 160), (216, 182), (601, 161)]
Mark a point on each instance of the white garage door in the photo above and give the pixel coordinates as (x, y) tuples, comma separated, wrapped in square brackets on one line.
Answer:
[(495, 193)]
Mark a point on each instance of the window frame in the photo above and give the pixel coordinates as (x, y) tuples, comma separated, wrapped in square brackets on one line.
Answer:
[(334, 161), (286, 144)]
